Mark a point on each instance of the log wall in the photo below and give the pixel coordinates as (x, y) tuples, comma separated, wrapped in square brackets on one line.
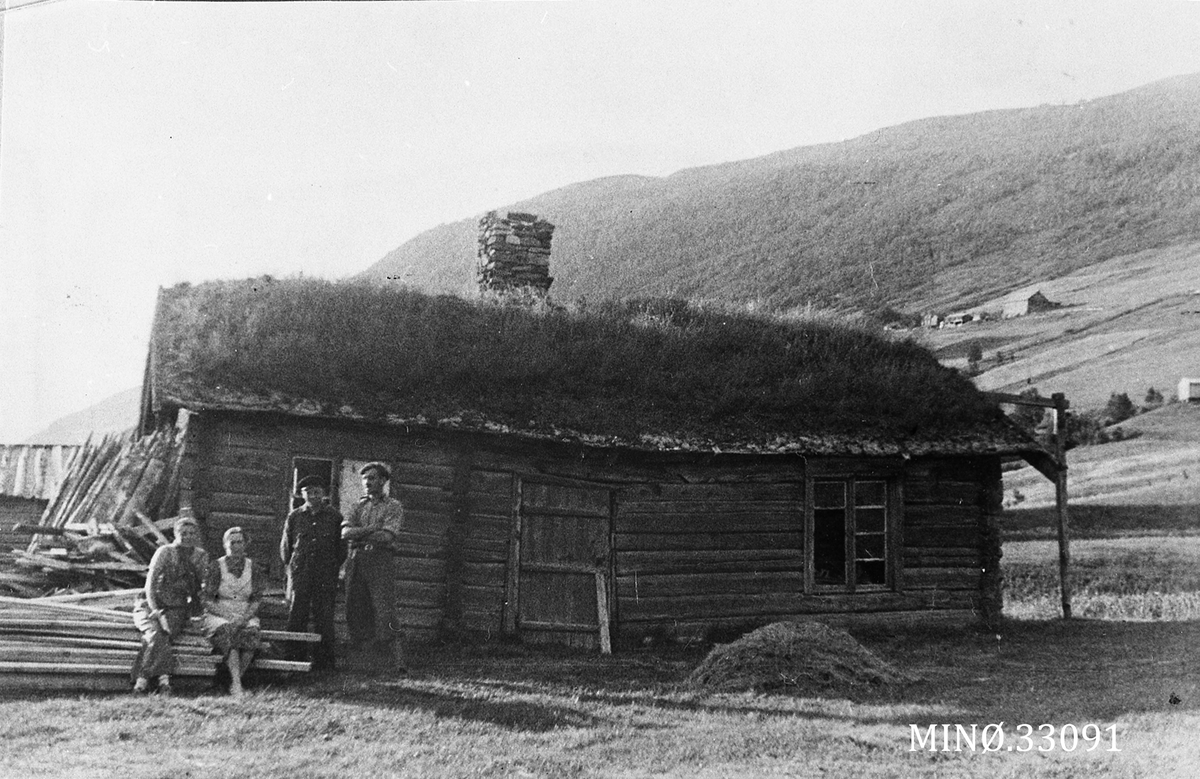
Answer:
[(701, 544)]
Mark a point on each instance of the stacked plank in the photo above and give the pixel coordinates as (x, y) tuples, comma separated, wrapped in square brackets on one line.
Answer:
[(100, 528), (74, 642), (514, 253)]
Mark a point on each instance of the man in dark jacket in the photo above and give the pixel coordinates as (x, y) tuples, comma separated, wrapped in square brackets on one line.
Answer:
[(312, 551)]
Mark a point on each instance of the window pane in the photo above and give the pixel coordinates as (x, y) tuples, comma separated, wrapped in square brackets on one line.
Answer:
[(869, 520), (829, 494), (829, 546), (870, 572), (869, 546), (869, 493)]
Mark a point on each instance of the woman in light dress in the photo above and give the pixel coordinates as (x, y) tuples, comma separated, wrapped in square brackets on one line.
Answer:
[(232, 594)]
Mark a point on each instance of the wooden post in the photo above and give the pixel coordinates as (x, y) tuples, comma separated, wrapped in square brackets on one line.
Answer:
[(602, 614), (1060, 496)]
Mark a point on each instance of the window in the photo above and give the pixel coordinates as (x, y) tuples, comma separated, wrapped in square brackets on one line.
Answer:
[(850, 547)]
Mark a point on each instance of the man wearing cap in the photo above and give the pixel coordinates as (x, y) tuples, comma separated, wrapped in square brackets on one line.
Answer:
[(312, 552), (372, 531)]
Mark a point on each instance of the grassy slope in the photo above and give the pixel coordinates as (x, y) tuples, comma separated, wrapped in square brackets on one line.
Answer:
[(1156, 473), (937, 213), (531, 713)]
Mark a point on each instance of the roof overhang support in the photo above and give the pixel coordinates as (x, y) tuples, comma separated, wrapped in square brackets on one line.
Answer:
[(1054, 467)]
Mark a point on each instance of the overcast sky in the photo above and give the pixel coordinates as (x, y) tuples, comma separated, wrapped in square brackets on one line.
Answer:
[(143, 144)]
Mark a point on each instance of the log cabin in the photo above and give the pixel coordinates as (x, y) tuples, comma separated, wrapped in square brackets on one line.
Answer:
[(639, 471)]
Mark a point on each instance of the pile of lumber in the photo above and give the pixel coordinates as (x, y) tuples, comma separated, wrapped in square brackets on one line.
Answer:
[(514, 253), (81, 642), (105, 520)]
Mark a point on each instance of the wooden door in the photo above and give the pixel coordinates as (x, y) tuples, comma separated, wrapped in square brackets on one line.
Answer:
[(564, 560)]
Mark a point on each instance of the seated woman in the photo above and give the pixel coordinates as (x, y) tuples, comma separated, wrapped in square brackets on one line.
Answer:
[(163, 608), (232, 594)]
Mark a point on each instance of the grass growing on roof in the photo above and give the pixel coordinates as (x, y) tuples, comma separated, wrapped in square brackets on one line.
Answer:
[(657, 367)]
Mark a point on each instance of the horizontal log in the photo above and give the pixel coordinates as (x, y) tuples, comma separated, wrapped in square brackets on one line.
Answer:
[(253, 504), (783, 604), (941, 516), (688, 561), (255, 459), (220, 521), (419, 569), (633, 497), (782, 508), (945, 493), (700, 628), (241, 481), (918, 562), (942, 536), (486, 549), (707, 541), (941, 578), (420, 594), (740, 522), (667, 585), (491, 483), (427, 523), (408, 475), (415, 617), (490, 574)]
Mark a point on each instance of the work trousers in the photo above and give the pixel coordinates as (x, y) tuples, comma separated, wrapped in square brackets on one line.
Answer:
[(305, 599), (371, 608), (156, 658)]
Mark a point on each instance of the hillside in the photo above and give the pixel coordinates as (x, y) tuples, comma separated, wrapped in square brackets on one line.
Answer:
[(929, 215), (114, 414), (1125, 325)]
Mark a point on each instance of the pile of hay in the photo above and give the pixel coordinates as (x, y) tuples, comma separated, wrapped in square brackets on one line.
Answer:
[(801, 658)]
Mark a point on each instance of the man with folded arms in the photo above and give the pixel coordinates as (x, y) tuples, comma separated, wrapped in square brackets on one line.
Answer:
[(372, 531)]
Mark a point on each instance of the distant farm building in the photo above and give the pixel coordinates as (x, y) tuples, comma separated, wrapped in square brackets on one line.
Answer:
[(1189, 390), (1023, 302), (957, 319)]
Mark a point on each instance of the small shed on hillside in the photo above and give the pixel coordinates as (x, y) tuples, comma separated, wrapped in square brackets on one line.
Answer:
[(597, 477), (1025, 302), (1189, 390)]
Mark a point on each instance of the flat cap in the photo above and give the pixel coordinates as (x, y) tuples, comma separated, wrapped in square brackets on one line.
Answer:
[(311, 481), (376, 466)]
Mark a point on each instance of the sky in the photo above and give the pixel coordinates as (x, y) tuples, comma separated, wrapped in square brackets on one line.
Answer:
[(145, 144)]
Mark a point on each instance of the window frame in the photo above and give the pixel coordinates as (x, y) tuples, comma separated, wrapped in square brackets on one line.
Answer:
[(849, 474)]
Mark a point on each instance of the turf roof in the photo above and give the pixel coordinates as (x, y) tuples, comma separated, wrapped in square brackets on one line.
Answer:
[(651, 375)]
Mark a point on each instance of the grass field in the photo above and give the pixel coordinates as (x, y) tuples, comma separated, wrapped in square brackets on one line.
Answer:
[(1131, 578), (518, 712)]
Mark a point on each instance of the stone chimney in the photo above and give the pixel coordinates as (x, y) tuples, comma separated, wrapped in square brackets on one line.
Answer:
[(514, 257)]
